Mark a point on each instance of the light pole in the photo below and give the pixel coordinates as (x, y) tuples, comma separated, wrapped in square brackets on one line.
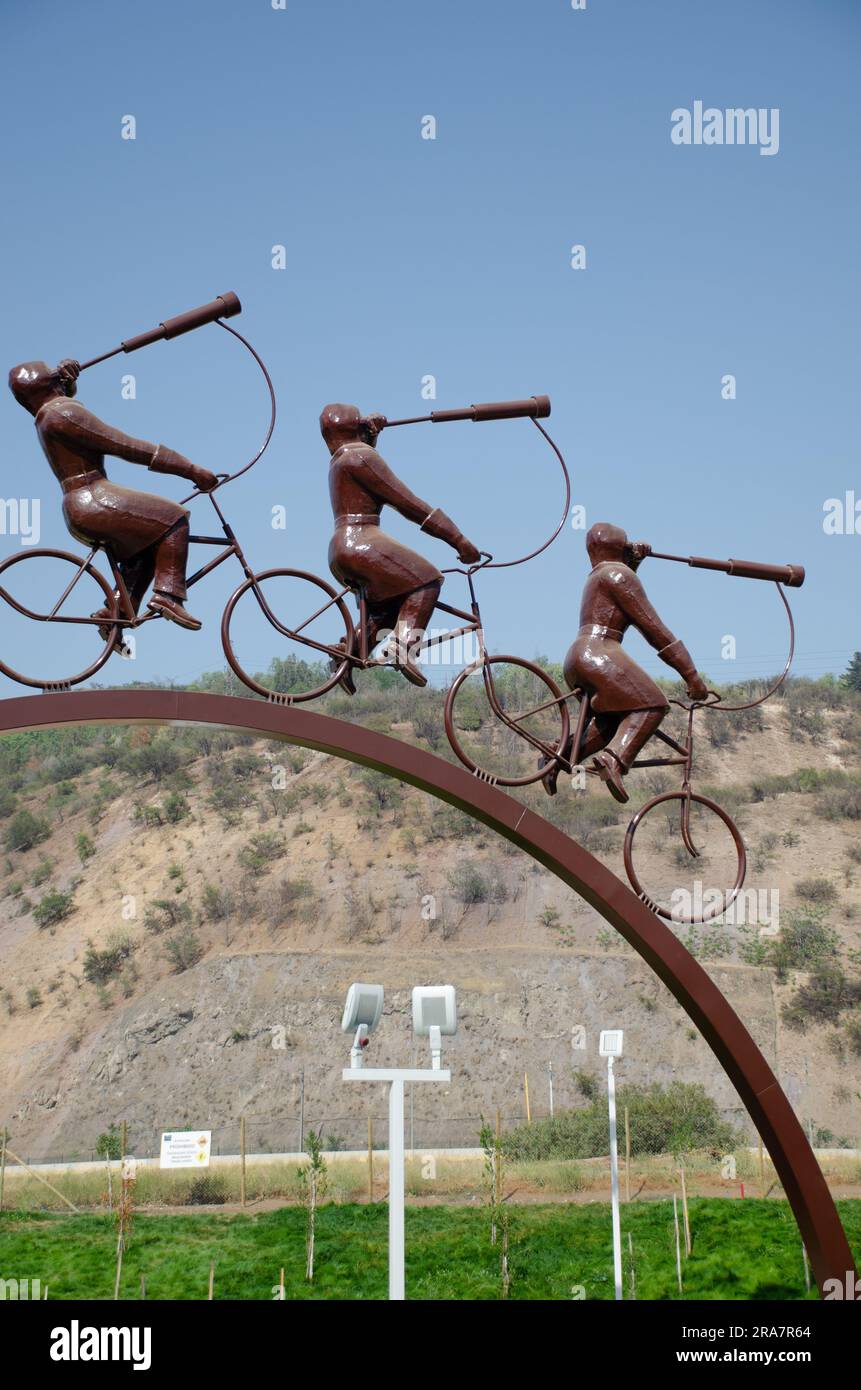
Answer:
[(610, 1046), (434, 1016)]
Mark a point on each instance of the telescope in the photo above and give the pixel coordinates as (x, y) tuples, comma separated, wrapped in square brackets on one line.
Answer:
[(222, 307), (790, 575), (534, 408)]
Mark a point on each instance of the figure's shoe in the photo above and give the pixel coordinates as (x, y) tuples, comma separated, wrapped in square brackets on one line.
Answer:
[(105, 628), (172, 609), (548, 781), (122, 647), (611, 772), (400, 658), (345, 681)]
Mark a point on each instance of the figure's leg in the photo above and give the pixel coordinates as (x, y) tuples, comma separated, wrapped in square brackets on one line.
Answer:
[(632, 734), (597, 734), (382, 617), (169, 591), (599, 731), (415, 613), (137, 574)]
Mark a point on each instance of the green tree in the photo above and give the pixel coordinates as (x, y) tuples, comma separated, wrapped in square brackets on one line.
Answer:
[(851, 677)]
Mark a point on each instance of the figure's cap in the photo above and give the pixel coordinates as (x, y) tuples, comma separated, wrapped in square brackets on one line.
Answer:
[(339, 417), (606, 537), (30, 378)]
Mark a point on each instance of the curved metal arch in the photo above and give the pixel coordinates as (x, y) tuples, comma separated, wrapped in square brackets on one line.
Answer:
[(738, 1054)]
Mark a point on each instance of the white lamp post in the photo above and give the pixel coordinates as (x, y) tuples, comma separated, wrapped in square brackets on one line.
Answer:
[(610, 1046), (434, 1016)]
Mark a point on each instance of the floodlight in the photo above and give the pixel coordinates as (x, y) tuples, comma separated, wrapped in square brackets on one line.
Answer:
[(434, 1014), (362, 1011), (363, 1007), (434, 1006), (610, 1043)]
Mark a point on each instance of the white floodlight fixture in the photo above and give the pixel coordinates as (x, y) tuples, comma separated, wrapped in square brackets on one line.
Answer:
[(610, 1042), (435, 1016), (362, 1011)]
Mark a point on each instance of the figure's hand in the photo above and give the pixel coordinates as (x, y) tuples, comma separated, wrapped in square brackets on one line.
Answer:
[(203, 480), (697, 688), (375, 423), (467, 552), (68, 371), (637, 552)]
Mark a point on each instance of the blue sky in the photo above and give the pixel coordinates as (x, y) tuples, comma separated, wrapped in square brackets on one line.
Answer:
[(407, 257)]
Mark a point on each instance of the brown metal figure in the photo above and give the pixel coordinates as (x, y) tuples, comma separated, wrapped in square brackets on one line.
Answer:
[(401, 588), (628, 705), (148, 535)]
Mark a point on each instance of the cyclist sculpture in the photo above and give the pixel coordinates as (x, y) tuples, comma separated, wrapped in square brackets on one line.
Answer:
[(627, 706), (400, 588), (147, 534)]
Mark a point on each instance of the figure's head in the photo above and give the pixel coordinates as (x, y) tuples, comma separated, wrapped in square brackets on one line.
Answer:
[(34, 383), (345, 424), (604, 541)]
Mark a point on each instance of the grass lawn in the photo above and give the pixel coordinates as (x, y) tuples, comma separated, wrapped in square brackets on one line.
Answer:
[(741, 1249)]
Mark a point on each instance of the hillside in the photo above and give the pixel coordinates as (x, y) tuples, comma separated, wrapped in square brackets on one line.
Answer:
[(183, 910)]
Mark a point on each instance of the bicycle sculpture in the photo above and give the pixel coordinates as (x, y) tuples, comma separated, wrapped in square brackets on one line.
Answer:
[(500, 711)]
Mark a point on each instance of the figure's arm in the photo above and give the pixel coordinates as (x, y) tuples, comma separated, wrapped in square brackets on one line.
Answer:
[(387, 487), (77, 425), (632, 599)]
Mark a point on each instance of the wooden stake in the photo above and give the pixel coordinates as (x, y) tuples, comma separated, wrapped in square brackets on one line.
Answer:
[(211, 1281), (281, 1294), (761, 1166), (627, 1158), (678, 1241), (242, 1161), (15, 1159), (685, 1211), (120, 1248), (806, 1266), (370, 1158), (526, 1094), (3, 1164)]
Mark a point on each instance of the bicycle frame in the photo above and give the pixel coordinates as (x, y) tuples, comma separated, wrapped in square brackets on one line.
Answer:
[(684, 759)]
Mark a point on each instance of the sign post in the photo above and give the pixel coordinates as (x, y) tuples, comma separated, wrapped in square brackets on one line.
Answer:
[(610, 1046)]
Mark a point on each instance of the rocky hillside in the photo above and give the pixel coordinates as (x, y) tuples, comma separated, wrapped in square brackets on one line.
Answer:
[(181, 912)]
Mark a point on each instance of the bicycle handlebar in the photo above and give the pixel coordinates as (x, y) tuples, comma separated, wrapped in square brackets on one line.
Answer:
[(225, 306)]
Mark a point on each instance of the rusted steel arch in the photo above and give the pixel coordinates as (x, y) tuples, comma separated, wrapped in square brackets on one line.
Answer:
[(722, 1029)]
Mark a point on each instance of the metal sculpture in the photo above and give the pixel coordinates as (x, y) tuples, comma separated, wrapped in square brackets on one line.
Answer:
[(146, 539), (735, 1049), (399, 588)]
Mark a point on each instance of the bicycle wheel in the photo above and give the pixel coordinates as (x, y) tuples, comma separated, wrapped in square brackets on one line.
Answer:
[(710, 840), (501, 715), (277, 634), (62, 591)]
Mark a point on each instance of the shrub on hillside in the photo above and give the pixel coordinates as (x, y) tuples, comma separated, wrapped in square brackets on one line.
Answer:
[(805, 939), (100, 966), (53, 908), (816, 890), (183, 950), (822, 998), (24, 831)]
